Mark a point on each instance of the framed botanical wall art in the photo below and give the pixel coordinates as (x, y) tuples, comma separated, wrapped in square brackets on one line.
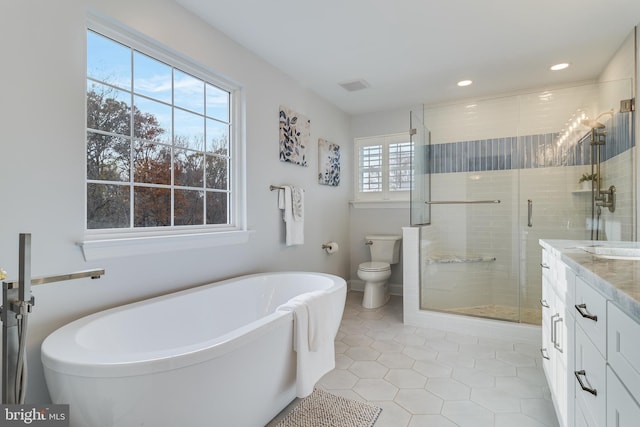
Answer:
[(328, 163), (295, 131)]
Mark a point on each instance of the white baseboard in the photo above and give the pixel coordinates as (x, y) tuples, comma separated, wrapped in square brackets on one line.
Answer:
[(358, 286)]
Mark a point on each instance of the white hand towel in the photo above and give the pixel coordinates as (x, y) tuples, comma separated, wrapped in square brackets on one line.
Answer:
[(291, 201), (297, 203), (312, 338), (281, 198)]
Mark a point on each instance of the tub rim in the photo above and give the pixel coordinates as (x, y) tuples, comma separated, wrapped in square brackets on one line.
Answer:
[(58, 356)]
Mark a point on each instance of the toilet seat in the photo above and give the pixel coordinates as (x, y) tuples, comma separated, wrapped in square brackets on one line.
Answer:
[(374, 266)]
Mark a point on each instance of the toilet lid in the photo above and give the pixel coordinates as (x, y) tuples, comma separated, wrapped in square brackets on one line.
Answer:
[(374, 266)]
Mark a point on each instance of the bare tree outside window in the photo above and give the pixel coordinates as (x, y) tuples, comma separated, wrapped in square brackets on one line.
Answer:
[(158, 147)]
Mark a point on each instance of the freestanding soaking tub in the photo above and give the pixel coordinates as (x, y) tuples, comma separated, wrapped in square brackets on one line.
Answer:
[(214, 355)]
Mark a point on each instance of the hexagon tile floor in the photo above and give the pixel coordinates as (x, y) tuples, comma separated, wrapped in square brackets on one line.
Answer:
[(423, 377)]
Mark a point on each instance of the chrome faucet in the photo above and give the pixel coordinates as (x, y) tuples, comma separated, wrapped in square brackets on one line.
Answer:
[(17, 303)]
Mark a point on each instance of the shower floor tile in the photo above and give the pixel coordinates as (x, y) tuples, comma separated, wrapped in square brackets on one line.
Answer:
[(423, 376)]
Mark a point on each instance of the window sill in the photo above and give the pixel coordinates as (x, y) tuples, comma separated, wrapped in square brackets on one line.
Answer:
[(111, 248), (380, 204)]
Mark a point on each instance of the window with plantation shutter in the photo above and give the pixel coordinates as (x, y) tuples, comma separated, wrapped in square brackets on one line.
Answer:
[(383, 167)]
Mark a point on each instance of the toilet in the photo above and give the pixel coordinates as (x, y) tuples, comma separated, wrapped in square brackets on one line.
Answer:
[(385, 250)]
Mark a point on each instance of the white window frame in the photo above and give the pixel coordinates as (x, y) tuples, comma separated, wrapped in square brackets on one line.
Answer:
[(103, 243), (385, 195)]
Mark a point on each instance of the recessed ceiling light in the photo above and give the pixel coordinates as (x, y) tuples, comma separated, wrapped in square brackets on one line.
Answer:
[(462, 83), (559, 67)]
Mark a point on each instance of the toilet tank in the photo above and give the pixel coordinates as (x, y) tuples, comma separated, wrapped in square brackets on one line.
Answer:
[(384, 247)]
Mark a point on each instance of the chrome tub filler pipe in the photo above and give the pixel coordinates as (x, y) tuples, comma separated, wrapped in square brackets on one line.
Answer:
[(17, 303)]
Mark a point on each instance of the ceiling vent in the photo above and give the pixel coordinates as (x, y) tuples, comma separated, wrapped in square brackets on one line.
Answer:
[(354, 85)]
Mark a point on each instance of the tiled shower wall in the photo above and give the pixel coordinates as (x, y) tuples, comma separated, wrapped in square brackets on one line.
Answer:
[(530, 151)]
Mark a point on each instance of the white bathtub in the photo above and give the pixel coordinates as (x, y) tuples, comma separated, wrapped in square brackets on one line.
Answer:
[(215, 355)]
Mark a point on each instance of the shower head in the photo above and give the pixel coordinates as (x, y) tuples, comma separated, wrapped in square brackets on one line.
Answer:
[(594, 123)]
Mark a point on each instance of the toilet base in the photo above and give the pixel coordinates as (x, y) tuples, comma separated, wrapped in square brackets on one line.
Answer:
[(375, 295)]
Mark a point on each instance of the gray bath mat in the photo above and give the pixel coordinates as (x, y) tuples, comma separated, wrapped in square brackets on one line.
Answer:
[(323, 409)]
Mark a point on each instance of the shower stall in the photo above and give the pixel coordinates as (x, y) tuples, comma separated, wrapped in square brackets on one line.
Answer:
[(493, 177)]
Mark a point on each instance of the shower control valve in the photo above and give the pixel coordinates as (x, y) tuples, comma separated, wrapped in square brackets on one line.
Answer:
[(607, 198)]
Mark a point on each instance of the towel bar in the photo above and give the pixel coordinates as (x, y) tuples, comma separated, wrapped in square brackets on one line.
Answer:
[(458, 202), (275, 187)]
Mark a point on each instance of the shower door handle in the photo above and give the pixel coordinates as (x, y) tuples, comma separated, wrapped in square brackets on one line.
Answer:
[(530, 213)]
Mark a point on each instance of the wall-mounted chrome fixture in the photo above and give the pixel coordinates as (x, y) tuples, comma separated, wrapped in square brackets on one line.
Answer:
[(17, 303), (600, 198)]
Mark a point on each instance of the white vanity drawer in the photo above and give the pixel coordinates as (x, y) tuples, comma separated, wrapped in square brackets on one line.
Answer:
[(622, 409), (623, 348), (566, 283), (590, 370), (591, 314), (582, 418)]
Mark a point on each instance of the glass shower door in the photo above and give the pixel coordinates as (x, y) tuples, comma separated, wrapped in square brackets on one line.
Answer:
[(467, 253), (420, 191)]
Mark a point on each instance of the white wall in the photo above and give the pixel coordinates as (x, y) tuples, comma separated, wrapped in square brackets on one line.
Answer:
[(622, 63), (42, 163)]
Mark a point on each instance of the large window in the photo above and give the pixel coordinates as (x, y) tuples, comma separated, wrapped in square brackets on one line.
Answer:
[(383, 167), (160, 144)]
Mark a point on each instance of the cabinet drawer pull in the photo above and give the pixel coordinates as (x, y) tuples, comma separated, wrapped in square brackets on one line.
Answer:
[(544, 303), (543, 351), (552, 329), (582, 310), (543, 265), (582, 373), (556, 344)]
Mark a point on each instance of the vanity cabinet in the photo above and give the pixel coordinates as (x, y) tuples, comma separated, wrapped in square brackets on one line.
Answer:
[(590, 353), (590, 381), (592, 349), (558, 284), (623, 372)]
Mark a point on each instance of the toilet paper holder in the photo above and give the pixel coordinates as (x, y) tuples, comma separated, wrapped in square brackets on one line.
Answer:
[(330, 247)]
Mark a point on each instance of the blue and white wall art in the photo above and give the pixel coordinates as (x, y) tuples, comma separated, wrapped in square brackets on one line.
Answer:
[(295, 131), (328, 163)]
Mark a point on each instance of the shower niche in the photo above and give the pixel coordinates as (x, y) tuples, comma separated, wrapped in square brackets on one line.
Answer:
[(504, 173)]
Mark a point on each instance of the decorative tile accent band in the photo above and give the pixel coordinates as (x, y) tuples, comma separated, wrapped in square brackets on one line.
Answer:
[(529, 151)]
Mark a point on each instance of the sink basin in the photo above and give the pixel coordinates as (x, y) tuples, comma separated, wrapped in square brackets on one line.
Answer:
[(630, 253)]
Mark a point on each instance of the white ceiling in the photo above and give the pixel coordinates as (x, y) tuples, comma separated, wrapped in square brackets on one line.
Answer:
[(415, 51)]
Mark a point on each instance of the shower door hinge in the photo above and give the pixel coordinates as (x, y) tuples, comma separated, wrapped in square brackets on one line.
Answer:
[(412, 132), (627, 105)]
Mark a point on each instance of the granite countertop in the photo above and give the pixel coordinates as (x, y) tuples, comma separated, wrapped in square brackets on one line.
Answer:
[(618, 279)]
